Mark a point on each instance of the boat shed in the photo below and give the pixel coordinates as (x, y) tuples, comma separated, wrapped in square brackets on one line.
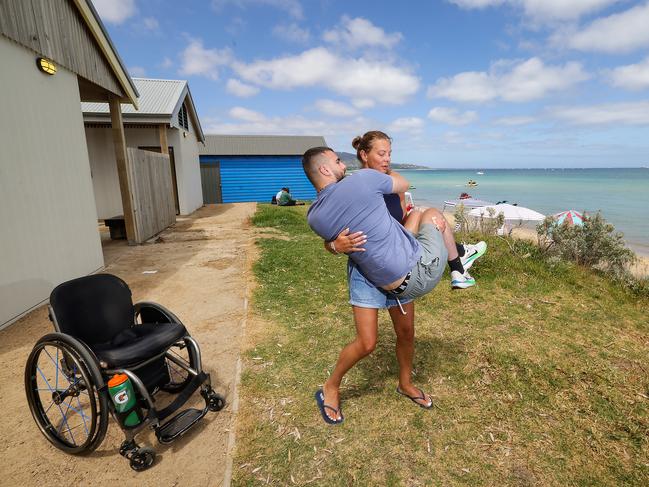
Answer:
[(237, 168), (55, 54), (166, 117)]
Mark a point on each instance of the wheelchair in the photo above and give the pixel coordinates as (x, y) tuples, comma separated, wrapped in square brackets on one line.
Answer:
[(99, 334)]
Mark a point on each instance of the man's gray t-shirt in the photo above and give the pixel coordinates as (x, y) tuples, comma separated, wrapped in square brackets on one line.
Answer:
[(357, 202)]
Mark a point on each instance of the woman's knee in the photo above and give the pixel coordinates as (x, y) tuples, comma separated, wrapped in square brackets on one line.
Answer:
[(434, 216), (367, 345)]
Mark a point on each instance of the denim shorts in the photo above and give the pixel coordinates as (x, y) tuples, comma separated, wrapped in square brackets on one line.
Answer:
[(363, 294), (428, 270)]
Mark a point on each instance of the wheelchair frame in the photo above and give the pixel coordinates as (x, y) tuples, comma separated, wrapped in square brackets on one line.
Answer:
[(84, 372)]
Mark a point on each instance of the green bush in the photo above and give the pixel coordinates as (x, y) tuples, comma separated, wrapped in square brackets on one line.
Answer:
[(594, 244), (484, 225)]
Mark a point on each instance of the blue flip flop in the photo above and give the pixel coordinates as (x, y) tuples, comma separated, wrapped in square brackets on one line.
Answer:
[(414, 399), (319, 397)]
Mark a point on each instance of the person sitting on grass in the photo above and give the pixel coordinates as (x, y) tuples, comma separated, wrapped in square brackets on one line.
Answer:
[(284, 198), (402, 266)]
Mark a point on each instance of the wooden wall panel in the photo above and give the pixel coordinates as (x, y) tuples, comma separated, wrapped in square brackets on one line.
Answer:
[(153, 200), (55, 29)]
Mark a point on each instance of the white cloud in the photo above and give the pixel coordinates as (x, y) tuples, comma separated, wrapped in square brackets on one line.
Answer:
[(246, 115), (338, 130), (335, 108), (516, 82), (292, 7), (513, 121), (632, 76), (632, 113), (166, 63), (356, 78), (292, 33), (151, 23), (363, 103), (543, 10), (452, 116), (198, 61), (137, 71), (115, 11), (622, 32), (359, 32), (237, 88), (413, 125)]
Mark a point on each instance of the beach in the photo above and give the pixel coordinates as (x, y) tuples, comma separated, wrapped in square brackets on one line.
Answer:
[(639, 269), (619, 194)]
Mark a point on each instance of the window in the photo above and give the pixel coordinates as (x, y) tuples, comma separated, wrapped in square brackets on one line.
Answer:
[(183, 121)]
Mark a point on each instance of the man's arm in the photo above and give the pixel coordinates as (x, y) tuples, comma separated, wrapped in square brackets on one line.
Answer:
[(399, 183)]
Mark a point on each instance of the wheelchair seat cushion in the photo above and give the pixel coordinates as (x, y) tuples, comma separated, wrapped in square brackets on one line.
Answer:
[(138, 343)]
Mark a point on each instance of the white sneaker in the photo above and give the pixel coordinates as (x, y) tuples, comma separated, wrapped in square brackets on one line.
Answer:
[(461, 281), (472, 252)]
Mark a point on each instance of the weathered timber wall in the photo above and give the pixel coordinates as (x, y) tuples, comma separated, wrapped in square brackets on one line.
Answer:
[(152, 192), (55, 29)]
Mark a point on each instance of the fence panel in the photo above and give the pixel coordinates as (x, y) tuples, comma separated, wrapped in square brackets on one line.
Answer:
[(152, 192)]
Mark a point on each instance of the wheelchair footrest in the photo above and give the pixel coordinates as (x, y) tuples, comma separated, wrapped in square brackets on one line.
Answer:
[(179, 424)]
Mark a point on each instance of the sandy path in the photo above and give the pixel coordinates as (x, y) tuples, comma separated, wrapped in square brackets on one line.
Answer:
[(202, 266)]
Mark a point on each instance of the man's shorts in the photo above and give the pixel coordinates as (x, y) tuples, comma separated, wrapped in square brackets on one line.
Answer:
[(428, 270), (364, 294)]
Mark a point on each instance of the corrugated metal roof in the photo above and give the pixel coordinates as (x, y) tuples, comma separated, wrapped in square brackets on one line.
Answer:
[(157, 97), (254, 145)]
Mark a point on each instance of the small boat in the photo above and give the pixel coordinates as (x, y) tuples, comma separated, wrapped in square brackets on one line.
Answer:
[(480, 173), (472, 183)]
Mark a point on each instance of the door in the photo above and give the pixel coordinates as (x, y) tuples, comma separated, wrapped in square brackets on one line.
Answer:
[(211, 182)]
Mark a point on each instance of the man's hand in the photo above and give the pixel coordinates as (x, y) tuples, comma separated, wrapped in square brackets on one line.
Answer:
[(346, 243)]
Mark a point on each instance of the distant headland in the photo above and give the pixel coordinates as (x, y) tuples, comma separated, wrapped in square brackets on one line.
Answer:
[(352, 163)]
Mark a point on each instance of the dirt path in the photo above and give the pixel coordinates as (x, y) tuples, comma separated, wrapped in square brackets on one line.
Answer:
[(202, 266)]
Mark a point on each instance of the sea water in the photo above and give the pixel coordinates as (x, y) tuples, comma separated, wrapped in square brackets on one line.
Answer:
[(622, 195)]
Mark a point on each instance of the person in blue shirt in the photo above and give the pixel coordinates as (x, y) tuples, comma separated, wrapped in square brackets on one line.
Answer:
[(373, 150)]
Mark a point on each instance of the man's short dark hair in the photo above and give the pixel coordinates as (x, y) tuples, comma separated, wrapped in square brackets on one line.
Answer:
[(309, 158)]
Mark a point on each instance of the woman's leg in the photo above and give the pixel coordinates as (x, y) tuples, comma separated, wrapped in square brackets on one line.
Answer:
[(366, 320), (404, 327), (432, 215)]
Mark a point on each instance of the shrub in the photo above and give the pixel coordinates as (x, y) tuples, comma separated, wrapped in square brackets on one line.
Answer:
[(484, 225), (594, 244)]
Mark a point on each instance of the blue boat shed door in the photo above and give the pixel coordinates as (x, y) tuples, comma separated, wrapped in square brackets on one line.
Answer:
[(259, 178)]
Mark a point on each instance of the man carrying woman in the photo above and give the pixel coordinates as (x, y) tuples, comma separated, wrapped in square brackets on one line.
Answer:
[(368, 293)]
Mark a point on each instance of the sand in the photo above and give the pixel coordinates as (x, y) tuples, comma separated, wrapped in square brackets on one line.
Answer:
[(202, 266)]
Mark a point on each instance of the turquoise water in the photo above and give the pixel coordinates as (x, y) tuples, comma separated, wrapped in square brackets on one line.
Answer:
[(622, 195)]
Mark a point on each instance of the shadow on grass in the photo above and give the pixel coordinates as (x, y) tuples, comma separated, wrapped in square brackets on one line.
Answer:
[(380, 369)]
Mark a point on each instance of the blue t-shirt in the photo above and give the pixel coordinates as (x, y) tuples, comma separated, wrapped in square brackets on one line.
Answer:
[(357, 202)]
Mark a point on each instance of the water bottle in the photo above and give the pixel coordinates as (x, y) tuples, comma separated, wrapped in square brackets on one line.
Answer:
[(123, 396)]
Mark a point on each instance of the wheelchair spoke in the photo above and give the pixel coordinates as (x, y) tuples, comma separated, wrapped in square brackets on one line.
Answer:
[(83, 417), (65, 422)]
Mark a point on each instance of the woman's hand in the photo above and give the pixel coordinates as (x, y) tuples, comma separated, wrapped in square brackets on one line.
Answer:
[(346, 243)]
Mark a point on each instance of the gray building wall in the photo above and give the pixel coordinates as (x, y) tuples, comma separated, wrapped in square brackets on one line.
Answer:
[(48, 220), (104, 168)]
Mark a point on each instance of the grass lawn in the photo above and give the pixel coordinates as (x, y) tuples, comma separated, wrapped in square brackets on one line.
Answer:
[(540, 376)]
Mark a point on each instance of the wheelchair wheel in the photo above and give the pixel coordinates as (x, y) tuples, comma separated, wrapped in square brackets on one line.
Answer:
[(62, 381), (178, 376)]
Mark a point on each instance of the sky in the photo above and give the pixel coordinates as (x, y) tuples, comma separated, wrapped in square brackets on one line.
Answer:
[(455, 83)]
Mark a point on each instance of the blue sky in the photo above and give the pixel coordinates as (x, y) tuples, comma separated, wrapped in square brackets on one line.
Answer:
[(456, 83)]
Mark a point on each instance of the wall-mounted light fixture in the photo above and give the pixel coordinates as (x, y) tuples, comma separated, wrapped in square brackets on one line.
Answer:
[(46, 66)]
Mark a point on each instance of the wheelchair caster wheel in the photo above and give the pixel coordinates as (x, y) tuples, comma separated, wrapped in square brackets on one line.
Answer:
[(142, 459), (215, 402)]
